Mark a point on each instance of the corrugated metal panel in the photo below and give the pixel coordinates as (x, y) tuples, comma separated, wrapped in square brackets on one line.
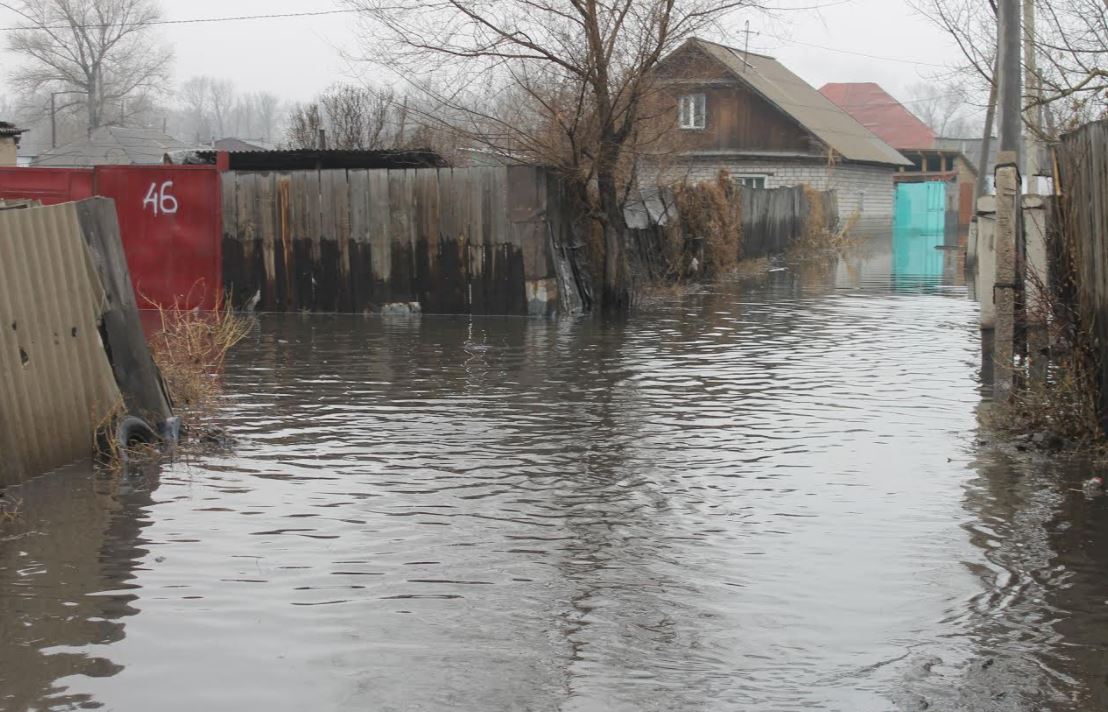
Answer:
[(802, 102), (56, 384)]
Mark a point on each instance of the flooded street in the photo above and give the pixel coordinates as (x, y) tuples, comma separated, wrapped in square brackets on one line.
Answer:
[(762, 496)]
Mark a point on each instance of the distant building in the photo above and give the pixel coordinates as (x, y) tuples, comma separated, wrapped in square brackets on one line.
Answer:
[(112, 145), (747, 114), (9, 142), (932, 161), (238, 144)]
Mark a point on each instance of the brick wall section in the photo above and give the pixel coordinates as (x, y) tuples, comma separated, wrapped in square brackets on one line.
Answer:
[(861, 188)]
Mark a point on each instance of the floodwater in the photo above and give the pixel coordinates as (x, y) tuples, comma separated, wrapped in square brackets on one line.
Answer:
[(762, 496)]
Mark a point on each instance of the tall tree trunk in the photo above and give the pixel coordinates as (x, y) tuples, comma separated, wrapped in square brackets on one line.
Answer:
[(616, 290)]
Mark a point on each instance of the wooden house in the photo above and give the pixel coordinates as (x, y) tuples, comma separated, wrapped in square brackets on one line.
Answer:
[(748, 115)]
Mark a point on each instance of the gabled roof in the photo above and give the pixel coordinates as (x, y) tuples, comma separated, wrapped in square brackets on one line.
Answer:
[(112, 145), (879, 112), (799, 100)]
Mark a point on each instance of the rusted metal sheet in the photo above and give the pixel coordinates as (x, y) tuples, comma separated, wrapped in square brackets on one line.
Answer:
[(49, 186), (56, 384)]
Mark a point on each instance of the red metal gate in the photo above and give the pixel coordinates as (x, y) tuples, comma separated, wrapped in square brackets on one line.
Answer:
[(169, 217)]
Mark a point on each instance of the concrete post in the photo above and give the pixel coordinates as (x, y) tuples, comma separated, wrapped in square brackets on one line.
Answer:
[(985, 276), (1036, 285), (1009, 280)]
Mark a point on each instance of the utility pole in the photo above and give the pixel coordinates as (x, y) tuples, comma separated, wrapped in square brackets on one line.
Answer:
[(986, 140), (1033, 114), (1009, 242)]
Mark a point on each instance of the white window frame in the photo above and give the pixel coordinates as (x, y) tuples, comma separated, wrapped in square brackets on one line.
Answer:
[(751, 180), (692, 111)]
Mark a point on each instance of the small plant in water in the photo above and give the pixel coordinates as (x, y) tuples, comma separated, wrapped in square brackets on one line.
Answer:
[(11, 508), (190, 348)]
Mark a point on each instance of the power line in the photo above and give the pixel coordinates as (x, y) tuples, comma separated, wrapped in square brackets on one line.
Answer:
[(857, 54), (191, 21)]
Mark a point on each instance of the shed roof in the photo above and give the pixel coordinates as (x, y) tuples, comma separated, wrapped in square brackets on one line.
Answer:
[(112, 145), (882, 114), (10, 130), (311, 159), (799, 100)]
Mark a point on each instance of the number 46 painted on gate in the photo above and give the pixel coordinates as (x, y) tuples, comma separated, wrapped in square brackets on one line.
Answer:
[(160, 199)]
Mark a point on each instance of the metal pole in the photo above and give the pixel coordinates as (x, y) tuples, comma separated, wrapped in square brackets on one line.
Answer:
[(53, 121)]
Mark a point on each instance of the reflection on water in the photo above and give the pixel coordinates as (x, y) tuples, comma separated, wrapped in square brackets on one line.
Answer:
[(762, 496)]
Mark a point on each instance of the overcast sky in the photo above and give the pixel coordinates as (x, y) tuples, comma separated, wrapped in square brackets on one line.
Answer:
[(297, 57)]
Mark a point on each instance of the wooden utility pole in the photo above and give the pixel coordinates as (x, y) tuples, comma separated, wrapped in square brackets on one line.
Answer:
[(1009, 279)]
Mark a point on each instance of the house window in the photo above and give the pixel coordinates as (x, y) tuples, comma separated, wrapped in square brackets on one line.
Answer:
[(862, 201), (693, 111), (751, 181)]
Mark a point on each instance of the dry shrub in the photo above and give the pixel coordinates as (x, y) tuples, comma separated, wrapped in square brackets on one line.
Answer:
[(190, 348), (818, 234), (11, 508), (710, 213), (1057, 395)]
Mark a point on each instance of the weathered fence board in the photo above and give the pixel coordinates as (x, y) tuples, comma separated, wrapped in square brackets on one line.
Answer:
[(473, 240), (1082, 160)]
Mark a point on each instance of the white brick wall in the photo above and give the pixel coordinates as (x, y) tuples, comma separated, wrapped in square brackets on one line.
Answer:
[(866, 189)]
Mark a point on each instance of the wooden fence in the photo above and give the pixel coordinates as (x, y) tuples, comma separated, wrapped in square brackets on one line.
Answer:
[(473, 240), (774, 219), (1082, 252)]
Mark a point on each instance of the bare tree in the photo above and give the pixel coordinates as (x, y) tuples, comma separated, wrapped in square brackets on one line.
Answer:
[(1071, 43), (221, 94), (305, 122), (194, 98), (354, 118), (581, 69), (102, 49), (266, 108), (946, 107)]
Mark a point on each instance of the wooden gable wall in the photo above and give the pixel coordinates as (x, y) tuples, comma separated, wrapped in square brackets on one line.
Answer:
[(737, 118)]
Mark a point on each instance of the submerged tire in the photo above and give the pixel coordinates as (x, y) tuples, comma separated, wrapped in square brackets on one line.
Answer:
[(133, 431)]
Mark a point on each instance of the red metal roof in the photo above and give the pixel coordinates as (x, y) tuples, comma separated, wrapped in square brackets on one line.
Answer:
[(879, 112)]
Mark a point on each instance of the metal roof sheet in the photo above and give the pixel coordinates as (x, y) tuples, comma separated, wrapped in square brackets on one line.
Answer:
[(799, 100), (879, 112), (310, 159), (112, 145)]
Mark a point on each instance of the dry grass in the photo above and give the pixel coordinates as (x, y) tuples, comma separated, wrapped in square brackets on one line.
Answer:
[(818, 235), (1057, 395), (11, 509), (190, 348)]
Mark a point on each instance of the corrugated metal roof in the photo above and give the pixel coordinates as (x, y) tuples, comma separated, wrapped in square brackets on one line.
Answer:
[(112, 145), (879, 112), (312, 159), (8, 129), (798, 99)]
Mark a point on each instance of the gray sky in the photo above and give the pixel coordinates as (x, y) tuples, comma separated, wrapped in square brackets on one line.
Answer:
[(297, 57)]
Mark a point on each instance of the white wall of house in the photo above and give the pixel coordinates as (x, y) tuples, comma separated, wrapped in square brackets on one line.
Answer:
[(862, 188)]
